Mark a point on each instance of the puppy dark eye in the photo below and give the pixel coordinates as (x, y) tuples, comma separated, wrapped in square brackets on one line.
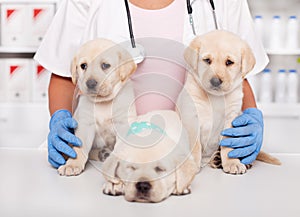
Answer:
[(159, 169), (105, 66), (207, 60), (229, 62), (83, 66)]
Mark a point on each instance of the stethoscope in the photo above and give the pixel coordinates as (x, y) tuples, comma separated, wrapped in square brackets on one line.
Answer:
[(137, 51), (190, 12)]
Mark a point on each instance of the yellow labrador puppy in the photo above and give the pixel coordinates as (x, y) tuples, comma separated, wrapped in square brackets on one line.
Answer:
[(218, 62), (151, 159), (101, 70)]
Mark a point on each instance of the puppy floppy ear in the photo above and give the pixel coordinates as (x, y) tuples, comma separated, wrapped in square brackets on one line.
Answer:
[(191, 53), (248, 60), (74, 70), (126, 65), (110, 168)]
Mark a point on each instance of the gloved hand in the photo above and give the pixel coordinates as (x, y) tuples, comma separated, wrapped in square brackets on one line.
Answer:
[(247, 135), (61, 134)]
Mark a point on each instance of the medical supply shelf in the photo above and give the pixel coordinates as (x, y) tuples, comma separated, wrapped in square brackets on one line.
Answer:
[(282, 120), (16, 48), (280, 110), (23, 124), (283, 52), (8, 50), (29, 1), (11, 50)]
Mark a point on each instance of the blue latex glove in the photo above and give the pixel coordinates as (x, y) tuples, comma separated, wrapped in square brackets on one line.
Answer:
[(247, 136), (61, 134)]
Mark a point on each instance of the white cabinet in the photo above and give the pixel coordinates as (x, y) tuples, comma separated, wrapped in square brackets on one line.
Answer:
[(23, 24), (24, 112), (282, 119)]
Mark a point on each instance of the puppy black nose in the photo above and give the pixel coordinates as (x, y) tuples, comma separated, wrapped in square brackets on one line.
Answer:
[(91, 83), (216, 82), (143, 187)]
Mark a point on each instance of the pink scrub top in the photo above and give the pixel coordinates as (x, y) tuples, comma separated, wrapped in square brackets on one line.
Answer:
[(160, 77)]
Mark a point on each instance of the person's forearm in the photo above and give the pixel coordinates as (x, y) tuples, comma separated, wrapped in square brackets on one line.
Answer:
[(61, 91), (248, 99)]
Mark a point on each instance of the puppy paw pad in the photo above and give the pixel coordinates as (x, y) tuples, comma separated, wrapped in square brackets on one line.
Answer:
[(69, 170), (234, 168), (112, 189), (186, 191), (183, 192)]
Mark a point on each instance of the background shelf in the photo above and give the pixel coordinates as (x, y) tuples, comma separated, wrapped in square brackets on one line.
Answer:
[(280, 110), (283, 52), (29, 1), (17, 49)]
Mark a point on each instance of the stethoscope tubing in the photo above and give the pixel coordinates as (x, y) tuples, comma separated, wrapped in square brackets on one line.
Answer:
[(190, 12), (214, 12), (130, 24)]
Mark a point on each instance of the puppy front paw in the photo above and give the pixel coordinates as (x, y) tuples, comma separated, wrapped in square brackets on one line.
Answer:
[(234, 166), (113, 189), (183, 192), (70, 169)]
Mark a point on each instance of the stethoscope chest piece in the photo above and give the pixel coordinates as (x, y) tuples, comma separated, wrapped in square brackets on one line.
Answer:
[(137, 53)]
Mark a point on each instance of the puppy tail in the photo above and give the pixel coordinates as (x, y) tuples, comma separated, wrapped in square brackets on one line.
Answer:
[(267, 158)]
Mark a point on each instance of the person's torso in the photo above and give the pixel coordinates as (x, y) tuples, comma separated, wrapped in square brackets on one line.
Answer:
[(163, 34)]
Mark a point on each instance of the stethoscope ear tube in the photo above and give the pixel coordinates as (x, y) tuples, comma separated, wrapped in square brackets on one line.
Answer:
[(212, 4), (190, 12), (214, 13), (130, 24), (189, 7), (136, 51), (215, 19)]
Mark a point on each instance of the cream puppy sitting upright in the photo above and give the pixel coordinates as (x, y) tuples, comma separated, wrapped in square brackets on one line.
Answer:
[(101, 70), (218, 62)]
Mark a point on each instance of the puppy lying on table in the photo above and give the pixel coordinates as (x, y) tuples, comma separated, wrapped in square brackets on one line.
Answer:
[(151, 159), (101, 70), (218, 62)]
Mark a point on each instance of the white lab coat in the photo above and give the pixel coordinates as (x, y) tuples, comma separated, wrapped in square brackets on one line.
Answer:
[(78, 21)]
